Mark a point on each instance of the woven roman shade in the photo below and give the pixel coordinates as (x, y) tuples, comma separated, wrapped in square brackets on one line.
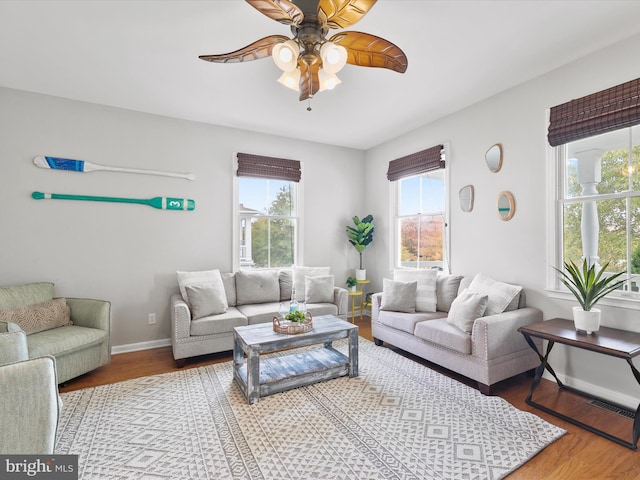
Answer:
[(268, 167), (416, 163), (612, 109)]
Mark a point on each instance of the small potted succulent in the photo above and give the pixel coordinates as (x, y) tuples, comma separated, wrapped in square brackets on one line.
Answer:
[(296, 316), (352, 284), (588, 286)]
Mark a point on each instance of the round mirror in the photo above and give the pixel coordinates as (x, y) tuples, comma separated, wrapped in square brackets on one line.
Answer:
[(466, 198), (493, 158), (506, 206)]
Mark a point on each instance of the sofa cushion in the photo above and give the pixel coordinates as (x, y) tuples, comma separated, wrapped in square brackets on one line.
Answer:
[(221, 323), (257, 286), (200, 277), (466, 308), (406, 321), (285, 277), (398, 296), (23, 295), (205, 300), (426, 299), (447, 290), (64, 340), (299, 274), (229, 282), (502, 296), (259, 312), (319, 289), (442, 333), (39, 317)]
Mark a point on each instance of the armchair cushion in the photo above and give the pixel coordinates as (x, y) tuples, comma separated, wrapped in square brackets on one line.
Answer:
[(399, 296), (23, 295), (39, 317)]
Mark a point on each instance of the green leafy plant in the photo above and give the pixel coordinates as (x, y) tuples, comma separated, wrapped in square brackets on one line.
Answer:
[(361, 235), (351, 282), (296, 316), (587, 285)]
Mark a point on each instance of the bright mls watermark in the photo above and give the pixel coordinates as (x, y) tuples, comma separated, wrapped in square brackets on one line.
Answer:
[(49, 467)]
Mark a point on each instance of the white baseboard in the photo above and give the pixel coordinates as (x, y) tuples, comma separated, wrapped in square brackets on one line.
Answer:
[(135, 347), (613, 396)]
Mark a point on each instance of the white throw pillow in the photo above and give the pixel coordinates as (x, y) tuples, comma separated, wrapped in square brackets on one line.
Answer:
[(319, 289), (426, 298), (299, 274), (398, 296), (203, 291), (466, 308), (205, 300), (500, 294)]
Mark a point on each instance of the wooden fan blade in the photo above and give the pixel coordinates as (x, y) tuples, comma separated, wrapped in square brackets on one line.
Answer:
[(259, 49), (343, 13), (282, 11), (309, 80), (367, 50)]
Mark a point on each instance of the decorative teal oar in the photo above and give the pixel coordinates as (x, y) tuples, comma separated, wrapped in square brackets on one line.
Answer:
[(162, 203)]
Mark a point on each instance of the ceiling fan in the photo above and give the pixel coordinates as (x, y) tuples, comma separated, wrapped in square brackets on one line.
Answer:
[(309, 60)]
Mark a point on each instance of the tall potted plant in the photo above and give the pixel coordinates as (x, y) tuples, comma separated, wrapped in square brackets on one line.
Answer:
[(588, 286), (360, 236)]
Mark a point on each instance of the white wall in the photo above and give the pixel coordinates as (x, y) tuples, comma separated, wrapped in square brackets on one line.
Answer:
[(513, 251), (128, 254)]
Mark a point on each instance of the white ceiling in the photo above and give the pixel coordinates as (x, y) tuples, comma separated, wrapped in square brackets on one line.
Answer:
[(143, 56)]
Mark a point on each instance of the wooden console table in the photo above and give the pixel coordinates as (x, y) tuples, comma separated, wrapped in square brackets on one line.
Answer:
[(607, 341)]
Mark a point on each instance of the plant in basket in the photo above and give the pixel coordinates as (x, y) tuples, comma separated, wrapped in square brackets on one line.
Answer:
[(296, 316)]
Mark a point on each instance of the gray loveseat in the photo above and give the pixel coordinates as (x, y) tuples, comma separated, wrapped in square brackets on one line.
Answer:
[(490, 350), (78, 347), (210, 304)]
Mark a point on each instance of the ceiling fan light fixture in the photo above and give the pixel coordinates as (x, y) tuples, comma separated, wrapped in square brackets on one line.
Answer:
[(328, 81), (334, 57), (291, 79), (285, 55)]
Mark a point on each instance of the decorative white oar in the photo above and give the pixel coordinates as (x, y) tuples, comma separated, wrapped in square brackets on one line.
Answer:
[(55, 163), (162, 203)]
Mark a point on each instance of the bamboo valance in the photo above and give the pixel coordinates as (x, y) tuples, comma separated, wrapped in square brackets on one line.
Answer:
[(268, 167), (612, 109), (416, 163)]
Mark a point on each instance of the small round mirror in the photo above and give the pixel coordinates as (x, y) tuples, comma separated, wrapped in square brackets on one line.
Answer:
[(506, 206), (466, 198), (493, 158)]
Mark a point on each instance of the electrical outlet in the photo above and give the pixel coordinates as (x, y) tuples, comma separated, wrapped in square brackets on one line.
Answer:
[(152, 319)]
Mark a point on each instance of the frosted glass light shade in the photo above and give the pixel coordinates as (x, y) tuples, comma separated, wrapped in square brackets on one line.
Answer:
[(285, 55), (291, 79), (328, 81), (334, 57)]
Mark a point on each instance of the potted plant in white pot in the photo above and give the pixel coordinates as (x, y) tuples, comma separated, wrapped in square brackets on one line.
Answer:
[(352, 284), (588, 286), (360, 236)]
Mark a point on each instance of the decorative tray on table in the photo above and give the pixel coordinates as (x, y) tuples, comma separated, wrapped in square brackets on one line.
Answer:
[(289, 327)]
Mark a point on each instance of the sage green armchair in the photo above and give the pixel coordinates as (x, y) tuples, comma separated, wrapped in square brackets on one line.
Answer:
[(29, 399)]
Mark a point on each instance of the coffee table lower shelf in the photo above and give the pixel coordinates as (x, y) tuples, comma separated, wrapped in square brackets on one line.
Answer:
[(281, 373)]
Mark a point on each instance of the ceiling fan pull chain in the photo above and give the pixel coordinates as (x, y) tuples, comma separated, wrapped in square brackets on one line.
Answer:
[(309, 107)]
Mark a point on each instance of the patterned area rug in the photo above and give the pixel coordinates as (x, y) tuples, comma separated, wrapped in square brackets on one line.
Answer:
[(397, 420)]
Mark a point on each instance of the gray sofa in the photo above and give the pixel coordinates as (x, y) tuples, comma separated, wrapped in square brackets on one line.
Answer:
[(78, 347), (249, 297), (490, 351)]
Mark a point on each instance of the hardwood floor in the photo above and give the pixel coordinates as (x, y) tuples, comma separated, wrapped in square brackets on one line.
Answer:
[(579, 454)]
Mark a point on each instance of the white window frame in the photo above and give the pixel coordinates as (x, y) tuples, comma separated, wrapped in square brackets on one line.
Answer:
[(394, 233), (555, 180), (235, 230)]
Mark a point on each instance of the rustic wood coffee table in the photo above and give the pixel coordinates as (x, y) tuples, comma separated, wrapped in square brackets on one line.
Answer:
[(258, 378)]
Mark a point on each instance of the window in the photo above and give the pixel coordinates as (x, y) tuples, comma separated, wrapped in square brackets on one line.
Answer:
[(596, 210), (420, 210), (267, 222), (599, 202)]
